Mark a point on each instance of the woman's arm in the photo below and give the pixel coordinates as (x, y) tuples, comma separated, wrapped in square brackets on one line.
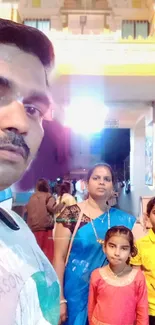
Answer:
[(61, 244), (51, 204), (58, 207)]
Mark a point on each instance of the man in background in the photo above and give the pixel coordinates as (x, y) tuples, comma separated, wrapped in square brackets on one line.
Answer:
[(81, 190)]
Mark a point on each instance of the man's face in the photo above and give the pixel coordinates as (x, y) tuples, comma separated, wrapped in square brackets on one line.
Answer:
[(23, 103)]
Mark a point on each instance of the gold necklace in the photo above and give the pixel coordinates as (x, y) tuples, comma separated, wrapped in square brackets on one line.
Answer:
[(116, 275), (99, 240)]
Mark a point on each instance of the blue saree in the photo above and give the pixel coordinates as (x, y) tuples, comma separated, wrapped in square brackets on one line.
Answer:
[(87, 255)]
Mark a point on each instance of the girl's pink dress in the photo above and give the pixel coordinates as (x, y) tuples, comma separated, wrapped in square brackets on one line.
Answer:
[(114, 304)]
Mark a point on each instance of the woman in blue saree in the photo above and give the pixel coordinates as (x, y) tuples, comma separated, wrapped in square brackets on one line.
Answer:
[(86, 253)]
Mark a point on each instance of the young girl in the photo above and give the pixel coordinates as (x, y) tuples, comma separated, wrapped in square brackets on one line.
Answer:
[(118, 294)]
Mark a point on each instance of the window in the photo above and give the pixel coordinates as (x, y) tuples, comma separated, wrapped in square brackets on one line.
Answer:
[(135, 28), (36, 3), (43, 25)]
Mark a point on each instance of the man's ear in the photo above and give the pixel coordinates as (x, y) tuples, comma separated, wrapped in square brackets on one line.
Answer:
[(146, 220)]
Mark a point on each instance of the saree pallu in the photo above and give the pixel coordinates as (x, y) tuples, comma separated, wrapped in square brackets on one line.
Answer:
[(87, 255)]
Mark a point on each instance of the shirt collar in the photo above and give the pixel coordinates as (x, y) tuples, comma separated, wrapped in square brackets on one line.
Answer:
[(151, 235)]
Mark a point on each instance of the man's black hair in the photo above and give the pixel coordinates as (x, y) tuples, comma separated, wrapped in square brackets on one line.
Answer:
[(28, 39)]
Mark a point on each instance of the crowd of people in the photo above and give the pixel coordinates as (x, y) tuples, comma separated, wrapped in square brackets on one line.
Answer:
[(94, 251), (97, 275)]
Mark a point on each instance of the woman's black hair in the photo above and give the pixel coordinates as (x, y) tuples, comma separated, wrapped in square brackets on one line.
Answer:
[(150, 206), (122, 231), (64, 188), (90, 172)]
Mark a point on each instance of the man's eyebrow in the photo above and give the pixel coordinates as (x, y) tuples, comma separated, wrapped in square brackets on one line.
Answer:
[(36, 96), (6, 82)]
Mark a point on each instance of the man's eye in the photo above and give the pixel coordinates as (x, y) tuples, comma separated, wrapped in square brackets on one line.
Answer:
[(33, 111)]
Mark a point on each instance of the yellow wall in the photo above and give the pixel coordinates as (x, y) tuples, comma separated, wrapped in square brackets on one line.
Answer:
[(136, 3), (108, 70), (36, 3)]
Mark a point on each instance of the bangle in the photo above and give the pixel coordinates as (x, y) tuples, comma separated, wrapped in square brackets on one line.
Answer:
[(63, 301)]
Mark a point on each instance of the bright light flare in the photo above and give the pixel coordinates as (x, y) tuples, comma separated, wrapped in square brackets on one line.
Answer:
[(86, 115)]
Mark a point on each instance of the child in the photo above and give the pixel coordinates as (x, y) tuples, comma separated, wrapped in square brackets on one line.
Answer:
[(118, 294), (146, 259)]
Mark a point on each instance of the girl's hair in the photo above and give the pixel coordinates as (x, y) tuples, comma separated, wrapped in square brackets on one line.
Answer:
[(90, 172), (42, 185), (122, 231), (150, 206)]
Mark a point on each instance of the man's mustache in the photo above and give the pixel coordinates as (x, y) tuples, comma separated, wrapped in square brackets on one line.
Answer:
[(16, 140)]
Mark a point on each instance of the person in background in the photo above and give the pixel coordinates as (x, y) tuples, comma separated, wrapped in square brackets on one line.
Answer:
[(81, 190), (146, 259), (30, 290), (118, 284), (77, 248), (67, 197), (73, 186), (40, 217), (64, 199), (67, 180)]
